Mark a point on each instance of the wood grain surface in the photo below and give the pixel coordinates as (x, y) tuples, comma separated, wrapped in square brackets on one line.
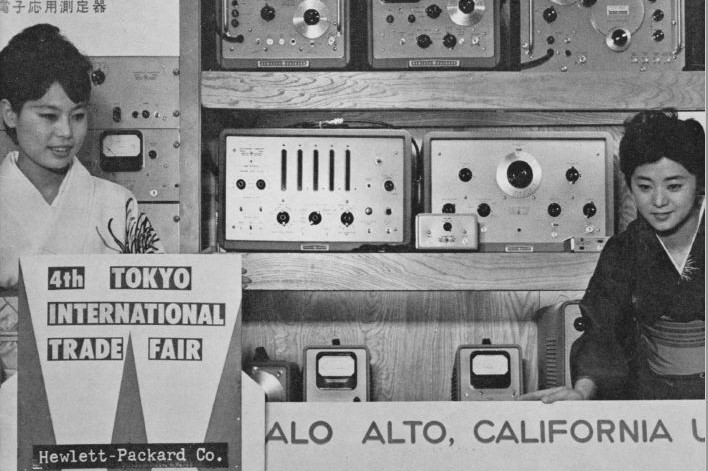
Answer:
[(453, 90), (418, 271), (412, 336)]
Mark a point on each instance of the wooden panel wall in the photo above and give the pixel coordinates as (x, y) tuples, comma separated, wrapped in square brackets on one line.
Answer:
[(452, 90), (412, 335)]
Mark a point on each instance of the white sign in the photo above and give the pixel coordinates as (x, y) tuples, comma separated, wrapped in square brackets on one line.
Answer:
[(488, 435), (138, 349), (100, 27)]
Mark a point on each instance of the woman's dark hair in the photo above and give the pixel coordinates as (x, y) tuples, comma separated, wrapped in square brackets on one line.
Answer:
[(36, 58), (651, 135)]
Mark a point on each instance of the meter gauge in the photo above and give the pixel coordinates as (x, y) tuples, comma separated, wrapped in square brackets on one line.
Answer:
[(121, 151)]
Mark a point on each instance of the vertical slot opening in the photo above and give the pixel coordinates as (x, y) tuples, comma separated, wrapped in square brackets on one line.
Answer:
[(283, 169), (331, 170), (315, 169), (299, 170), (347, 170)]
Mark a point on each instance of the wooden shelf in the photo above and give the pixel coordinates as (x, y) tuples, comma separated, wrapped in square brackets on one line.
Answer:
[(419, 271), (406, 90)]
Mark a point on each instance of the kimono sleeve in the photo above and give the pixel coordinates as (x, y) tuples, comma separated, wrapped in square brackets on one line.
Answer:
[(603, 352)]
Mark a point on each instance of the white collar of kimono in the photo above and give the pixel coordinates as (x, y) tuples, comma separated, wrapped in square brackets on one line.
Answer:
[(22, 179), (681, 264)]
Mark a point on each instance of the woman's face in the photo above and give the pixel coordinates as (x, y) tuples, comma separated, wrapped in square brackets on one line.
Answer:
[(50, 130), (665, 194)]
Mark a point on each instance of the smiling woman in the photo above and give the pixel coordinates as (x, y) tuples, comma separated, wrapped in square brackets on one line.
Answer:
[(49, 203), (645, 304)]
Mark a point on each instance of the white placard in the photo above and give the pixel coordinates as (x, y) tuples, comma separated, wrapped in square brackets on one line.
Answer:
[(487, 435), (100, 27), (137, 349)]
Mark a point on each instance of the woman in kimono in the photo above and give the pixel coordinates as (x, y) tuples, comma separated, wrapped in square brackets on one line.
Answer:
[(49, 203), (645, 304)]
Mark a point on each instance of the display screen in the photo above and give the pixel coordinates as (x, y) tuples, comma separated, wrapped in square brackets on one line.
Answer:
[(336, 366), (490, 365), (490, 369), (336, 370)]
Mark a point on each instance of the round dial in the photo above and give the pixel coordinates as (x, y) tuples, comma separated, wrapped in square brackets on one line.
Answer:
[(519, 174)]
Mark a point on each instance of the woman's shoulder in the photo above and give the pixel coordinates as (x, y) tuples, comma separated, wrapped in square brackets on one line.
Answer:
[(636, 239), (112, 189), (637, 230), (107, 192)]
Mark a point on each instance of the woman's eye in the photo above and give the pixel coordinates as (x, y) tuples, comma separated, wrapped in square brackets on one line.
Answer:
[(644, 187), (80, 116), (675, 187), (48, 116)]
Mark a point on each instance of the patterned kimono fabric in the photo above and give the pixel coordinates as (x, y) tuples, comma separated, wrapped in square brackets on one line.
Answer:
[(88, 215)]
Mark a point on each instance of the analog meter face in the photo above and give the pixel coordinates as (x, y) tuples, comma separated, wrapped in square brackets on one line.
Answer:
[(121, 151), (121, 145)]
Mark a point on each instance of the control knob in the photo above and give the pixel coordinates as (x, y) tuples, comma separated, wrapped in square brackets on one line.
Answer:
[(550, 14), (283, 218), (312, 17), (268, 12), (315, 218), (618, 40), (484, 210), (347, 218), (572, 175), (448, 208), (98, 77), (424, 41), (580, 324), (433, 11), (465, 174), (449, 41), (554, 210), (589, 210), (466, 6), (519, 174)]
